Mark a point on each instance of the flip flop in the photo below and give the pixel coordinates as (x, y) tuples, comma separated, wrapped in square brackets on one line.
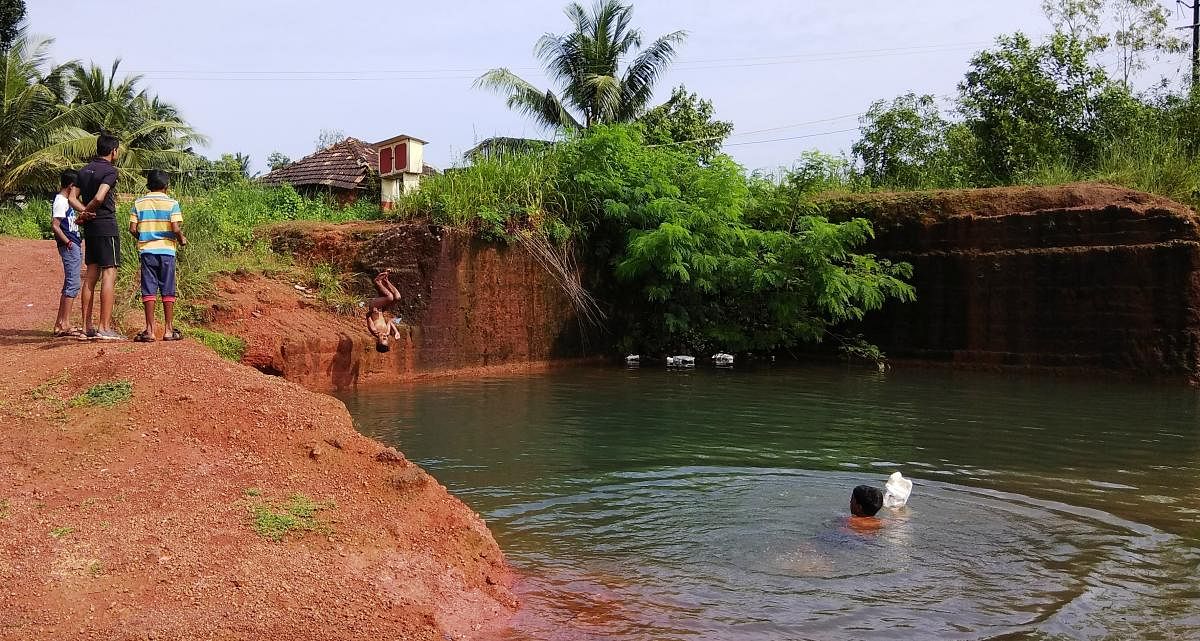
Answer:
[(175, 335), (144, 337)]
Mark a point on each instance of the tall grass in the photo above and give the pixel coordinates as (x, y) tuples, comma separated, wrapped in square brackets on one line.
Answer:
[(489, 194)]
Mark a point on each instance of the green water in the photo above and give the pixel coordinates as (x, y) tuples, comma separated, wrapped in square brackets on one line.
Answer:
[(646, 504)]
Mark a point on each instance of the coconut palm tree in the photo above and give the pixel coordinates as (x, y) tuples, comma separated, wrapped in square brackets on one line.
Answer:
[(586, 64), (50, 115), (36, 129), (151, 131)]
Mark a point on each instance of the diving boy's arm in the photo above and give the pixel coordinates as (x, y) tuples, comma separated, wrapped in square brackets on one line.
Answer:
[(395, 330)]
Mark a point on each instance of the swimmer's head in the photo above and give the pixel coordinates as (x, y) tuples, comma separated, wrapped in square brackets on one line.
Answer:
[(866, 501), (381, 345)]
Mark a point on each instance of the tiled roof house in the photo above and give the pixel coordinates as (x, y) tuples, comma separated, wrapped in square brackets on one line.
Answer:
[(346, 170)]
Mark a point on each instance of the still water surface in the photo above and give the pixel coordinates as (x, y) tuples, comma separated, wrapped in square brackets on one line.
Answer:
[(646, 504)]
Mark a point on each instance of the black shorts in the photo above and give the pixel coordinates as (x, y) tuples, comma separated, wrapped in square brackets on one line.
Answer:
[(104, 251)]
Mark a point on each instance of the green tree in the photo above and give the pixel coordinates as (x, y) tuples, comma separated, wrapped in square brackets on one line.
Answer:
[(1141, 32), (1135, 30), (38, 135), (686, 119), (690, 272), (278, 160), (1032, 104), (586, 63), (12, 12), (903, 143), (152, 133)]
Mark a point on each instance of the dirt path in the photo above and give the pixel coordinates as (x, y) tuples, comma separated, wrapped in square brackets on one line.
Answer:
[(136, 521)]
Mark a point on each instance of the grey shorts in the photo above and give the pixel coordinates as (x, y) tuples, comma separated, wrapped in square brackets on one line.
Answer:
[(72, 260)]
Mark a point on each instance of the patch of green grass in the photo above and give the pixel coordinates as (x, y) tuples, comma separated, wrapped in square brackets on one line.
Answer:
[(330, 288), (61, 531), (298, 514), (228, 347), (104, 394), (252, 491)]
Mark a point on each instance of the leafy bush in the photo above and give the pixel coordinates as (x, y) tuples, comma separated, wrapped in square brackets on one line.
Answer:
[(31, 222)]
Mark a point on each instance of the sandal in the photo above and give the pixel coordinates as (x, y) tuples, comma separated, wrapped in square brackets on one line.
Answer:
[(74, 332), (175, 335), (144, 337)]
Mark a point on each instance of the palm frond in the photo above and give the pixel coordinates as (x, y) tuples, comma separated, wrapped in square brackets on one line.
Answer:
[(522, 96), (637, 85)]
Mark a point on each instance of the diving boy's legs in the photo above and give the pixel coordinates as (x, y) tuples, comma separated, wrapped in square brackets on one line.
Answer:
[(392, 291), (385, 297)]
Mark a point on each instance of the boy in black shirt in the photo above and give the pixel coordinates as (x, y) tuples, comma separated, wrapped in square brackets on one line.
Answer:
[(94, 197)]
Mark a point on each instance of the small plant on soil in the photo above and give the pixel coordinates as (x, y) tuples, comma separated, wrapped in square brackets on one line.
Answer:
[(61, 531), (3, 508), (228, 347), (298, 514), (252, 491), (105, 394)]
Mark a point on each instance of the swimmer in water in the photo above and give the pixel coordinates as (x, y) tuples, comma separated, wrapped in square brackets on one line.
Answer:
[(865, 503)]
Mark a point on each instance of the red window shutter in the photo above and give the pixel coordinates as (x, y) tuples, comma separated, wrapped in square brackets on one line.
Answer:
[(402, 157), (385, 161)]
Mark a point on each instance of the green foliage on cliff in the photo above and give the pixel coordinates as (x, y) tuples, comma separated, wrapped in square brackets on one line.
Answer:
[(1047, 111), (230, 348), (686, 252)]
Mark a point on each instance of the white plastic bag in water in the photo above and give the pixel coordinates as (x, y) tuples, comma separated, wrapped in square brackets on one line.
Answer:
[(898, 490)]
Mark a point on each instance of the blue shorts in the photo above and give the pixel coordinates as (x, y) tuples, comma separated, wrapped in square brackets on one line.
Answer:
[(158, 277), (72, 258)]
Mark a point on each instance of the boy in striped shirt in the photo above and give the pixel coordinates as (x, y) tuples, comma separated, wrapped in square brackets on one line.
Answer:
[(155, 222)]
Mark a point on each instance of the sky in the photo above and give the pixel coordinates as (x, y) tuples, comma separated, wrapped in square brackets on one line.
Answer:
[(258, 76)]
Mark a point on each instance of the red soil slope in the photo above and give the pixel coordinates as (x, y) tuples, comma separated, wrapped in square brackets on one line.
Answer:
[(134, 522)]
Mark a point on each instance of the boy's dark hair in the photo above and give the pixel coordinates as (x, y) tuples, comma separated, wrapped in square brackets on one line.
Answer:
[(105, 144), (383, 348), (157, 179), (68, 178), (869, 499)]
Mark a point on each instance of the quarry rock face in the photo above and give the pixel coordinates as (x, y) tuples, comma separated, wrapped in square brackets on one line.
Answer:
[(1076, 277), (465, 305)]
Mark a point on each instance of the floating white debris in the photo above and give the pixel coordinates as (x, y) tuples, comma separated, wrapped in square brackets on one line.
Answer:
[(898, 490), (681, 361), (722, 359), (633, 358)]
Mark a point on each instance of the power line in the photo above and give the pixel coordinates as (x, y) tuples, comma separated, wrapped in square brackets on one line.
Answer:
[(800, 124), (823, 133), (461, 72)]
